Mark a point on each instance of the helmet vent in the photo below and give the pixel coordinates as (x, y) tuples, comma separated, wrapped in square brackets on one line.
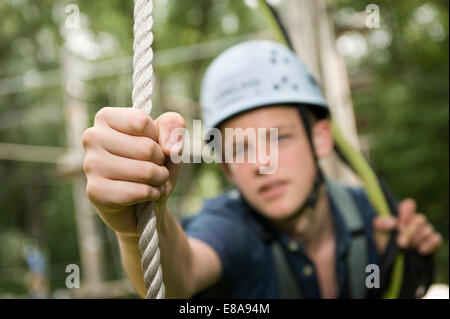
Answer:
[(274, 56), (311, 79)]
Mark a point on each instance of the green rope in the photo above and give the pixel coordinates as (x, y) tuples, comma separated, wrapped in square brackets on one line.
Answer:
[(364, 171), (377, 199), (275, 24)]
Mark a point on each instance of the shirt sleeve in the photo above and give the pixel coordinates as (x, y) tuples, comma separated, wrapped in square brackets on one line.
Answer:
[(227, 236)]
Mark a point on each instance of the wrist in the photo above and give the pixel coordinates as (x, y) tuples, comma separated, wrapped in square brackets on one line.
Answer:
[(128, 240), (161, 218)]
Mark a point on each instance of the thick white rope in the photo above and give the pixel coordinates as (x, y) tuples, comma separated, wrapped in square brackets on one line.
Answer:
[(142, 91)]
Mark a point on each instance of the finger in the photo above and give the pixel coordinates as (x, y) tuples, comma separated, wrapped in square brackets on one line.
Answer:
[(424, 234), (123, 145), (114, 167), (128, 121), (113, 195), (406, 210), (384, 223), (431, 245), (409, 232)]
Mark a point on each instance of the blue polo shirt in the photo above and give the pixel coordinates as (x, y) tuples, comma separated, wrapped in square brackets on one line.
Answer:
[(242, 239)]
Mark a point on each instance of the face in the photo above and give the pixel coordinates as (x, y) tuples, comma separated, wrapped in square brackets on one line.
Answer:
[(282, 193)]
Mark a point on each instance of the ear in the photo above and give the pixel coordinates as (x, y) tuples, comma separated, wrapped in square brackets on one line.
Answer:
[(323, 138), (226, 170)]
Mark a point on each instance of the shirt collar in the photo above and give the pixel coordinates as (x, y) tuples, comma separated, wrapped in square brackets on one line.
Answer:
[(263, 228)]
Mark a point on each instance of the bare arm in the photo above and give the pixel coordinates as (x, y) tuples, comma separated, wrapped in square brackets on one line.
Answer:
[(189, 265)]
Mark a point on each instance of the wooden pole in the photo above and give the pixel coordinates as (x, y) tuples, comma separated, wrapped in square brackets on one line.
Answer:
[(89, 241), (31, 153), (311, 29)]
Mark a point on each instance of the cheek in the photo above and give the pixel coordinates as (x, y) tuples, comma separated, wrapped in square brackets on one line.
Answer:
[(240, 172), (296, 157)]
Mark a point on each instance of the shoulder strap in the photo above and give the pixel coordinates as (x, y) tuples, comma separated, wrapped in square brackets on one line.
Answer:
[(287, 282), (357, 258)]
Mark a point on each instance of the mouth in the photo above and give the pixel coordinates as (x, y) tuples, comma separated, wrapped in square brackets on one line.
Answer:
[(273, 189)]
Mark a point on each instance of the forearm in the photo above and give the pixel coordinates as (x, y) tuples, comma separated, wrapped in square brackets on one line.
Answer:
[(176, 258), (131, 261)]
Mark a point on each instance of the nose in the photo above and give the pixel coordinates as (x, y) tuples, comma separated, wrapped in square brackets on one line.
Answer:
[(266, 160), (260, 164)]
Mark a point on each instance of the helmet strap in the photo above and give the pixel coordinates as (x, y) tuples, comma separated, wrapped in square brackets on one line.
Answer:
[(319, 179)]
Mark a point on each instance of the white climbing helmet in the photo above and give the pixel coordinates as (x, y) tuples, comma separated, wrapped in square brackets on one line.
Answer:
[(255, 74)]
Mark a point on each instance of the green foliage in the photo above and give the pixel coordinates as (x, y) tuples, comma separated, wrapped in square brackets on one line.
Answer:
[(405, 113)]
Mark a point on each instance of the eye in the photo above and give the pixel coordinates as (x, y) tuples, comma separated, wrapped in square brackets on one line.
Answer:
[(283, 137), (239, 149)]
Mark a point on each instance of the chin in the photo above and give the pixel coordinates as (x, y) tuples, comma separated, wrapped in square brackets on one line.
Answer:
[(279, 210)]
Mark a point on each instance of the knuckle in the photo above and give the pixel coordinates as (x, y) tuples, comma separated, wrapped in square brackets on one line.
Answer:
[(145, 191), (100, 115), (92, 190), (89, 163), (161, 176), (147, 148), (140, 120), (88, 137), (86, 167), (166, 173)]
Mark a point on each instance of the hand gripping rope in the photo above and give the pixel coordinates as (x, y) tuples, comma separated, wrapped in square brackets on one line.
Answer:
[(142, 91)]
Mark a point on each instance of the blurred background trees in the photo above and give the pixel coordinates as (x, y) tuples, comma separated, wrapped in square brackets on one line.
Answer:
[(399, 77)]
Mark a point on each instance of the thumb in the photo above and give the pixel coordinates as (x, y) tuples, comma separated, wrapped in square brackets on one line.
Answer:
[(382, 226), (171, 127)]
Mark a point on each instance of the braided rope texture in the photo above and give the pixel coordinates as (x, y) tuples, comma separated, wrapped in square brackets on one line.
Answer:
[(142, 91)]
